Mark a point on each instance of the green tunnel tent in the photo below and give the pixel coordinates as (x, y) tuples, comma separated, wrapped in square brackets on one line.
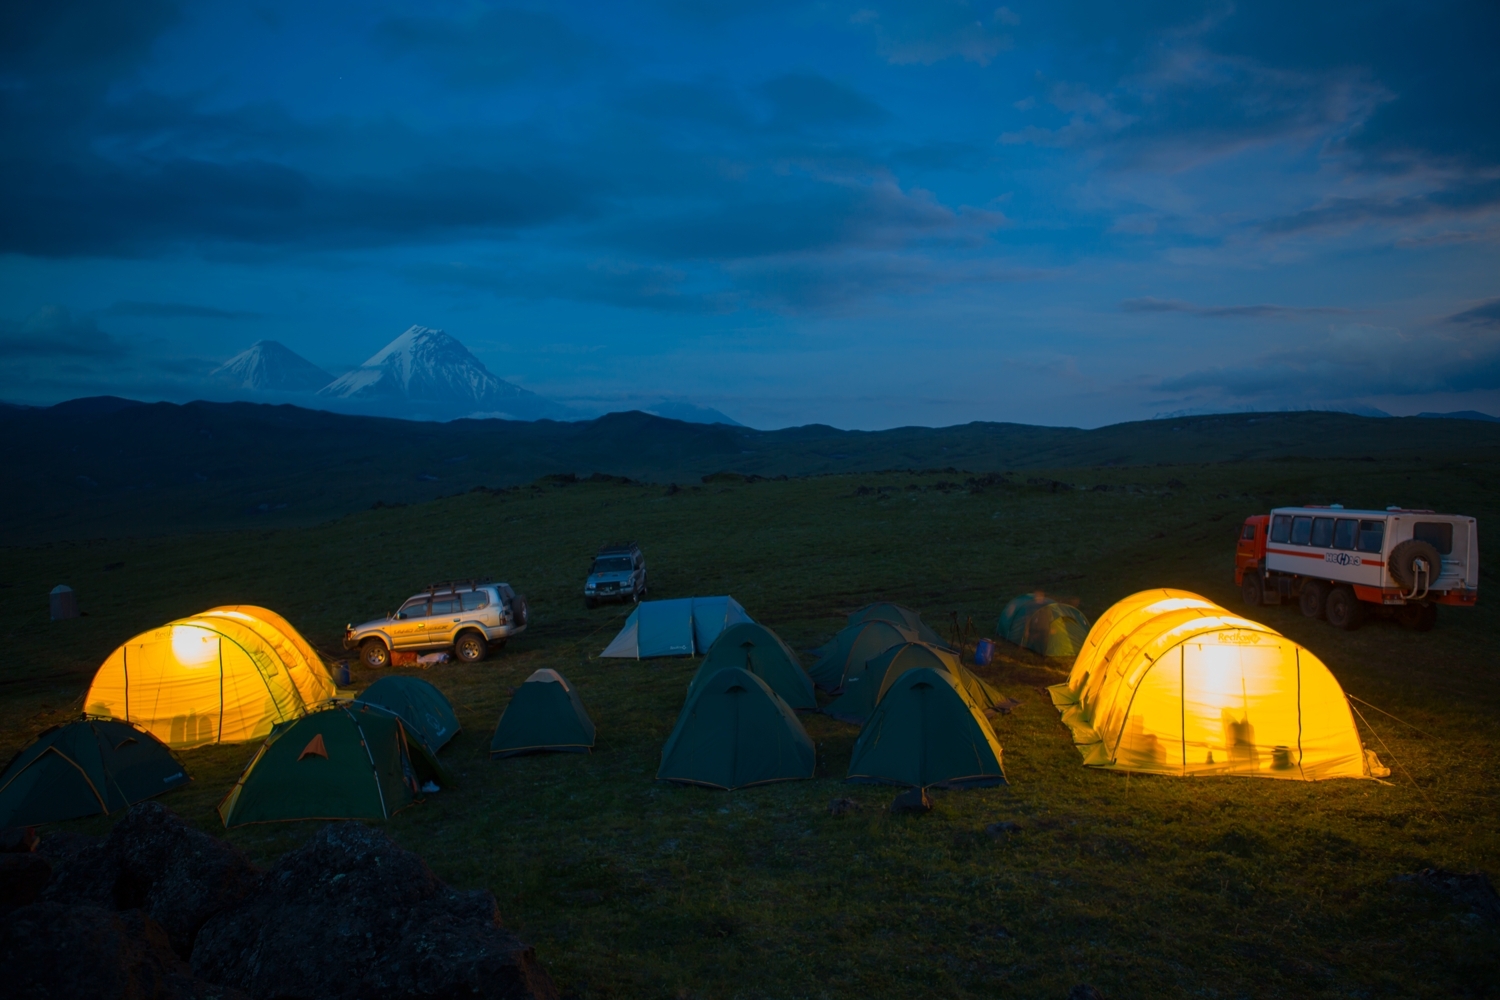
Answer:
[(863, 691), (92, 767), (896, 614), (852, 647), (344, 762), (544, 714), (427, 713), (735, 732), (927, 732), (686, 626), (760, 651), (1044, 625)]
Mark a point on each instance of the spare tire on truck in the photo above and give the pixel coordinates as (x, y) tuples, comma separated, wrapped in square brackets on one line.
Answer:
[(1404, 561)]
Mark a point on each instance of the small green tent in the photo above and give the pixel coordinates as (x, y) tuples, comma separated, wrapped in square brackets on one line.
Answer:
[(927, 732), (864, 690), (760, 651), (428, 715), (1044, 625), (344, 762), (885, 611), (543, 714), (852, 647), (92, 767), (735, 732)]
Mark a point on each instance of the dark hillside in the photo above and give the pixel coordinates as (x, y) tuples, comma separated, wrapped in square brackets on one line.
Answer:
[(109, 467)]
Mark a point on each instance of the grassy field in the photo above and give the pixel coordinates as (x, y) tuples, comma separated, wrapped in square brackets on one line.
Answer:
[(1148, 887)]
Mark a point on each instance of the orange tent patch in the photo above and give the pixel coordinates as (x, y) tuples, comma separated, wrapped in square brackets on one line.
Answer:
[(314, 748)]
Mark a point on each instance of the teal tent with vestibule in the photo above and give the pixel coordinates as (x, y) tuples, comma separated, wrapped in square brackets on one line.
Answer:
[(686, 626)]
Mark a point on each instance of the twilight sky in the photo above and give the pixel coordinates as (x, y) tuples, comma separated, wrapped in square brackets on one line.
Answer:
[(864, 214)]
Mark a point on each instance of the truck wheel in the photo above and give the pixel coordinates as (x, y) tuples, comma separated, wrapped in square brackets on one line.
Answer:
[(1418, 617), (1253, 591), (1404, 560), (471, 647), (1311, 599), (1344, 610), (374, 654)]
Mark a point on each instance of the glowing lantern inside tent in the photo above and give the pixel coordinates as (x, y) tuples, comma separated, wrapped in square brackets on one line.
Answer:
[(194, 647)]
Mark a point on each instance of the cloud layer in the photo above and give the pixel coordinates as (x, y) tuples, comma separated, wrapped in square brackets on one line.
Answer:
[(1162, 199)]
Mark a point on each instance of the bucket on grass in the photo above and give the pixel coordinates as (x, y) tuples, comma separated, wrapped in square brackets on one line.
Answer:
[(984, 652)]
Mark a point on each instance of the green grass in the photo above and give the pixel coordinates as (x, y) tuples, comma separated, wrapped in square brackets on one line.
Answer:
[(1221, 887)]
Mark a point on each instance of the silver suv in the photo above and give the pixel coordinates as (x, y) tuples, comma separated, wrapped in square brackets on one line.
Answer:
[(464, 616), (618, 574)]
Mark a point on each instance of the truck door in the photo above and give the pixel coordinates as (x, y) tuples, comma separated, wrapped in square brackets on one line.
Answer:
[(410, 627), (447, 611)]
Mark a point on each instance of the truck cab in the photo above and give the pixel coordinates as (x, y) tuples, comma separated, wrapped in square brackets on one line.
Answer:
[(1339, 563)]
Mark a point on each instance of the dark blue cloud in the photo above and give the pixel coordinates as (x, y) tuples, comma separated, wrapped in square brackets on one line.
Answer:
[(489, 46), (54, 334), (176, 310)]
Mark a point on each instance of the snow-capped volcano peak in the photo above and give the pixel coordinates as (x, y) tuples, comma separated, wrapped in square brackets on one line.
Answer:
[(268, 366), (429, 366)]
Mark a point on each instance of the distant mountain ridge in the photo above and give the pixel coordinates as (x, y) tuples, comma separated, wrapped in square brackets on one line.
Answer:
[(433, 370), (268, 366), (104, 466), (1462, 415)]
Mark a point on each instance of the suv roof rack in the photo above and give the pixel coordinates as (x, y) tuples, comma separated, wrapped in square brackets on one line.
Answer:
[(618, 547), (433, 588)]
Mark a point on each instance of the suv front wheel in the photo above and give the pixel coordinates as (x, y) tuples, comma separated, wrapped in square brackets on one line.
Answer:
[(471, 647), (374, 654)]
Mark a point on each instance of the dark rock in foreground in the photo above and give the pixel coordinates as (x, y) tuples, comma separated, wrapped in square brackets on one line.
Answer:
[(22, 879), (85, 952), (352, 915), (155, 862)]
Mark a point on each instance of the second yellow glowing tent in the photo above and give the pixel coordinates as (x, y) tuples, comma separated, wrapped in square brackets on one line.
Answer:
[(1170, 683), (226, 675)]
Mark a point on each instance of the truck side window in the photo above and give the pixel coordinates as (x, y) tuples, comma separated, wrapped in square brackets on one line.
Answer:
[(1249, 533), (414, 609), (1301, 530), (1371, 535), (1438, 534), (444, 605), (474, 600), (1322, 533), (1344, 533), (1281, 528)]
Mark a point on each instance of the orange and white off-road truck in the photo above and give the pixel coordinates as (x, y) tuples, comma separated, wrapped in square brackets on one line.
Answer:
[(1340, 564)]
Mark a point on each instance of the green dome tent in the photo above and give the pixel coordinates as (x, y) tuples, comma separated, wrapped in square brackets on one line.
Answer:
[(88, 768), (863, 691), (735, 732), (847, 653), (1044, 625), (345, 762), (926, 731), (543, 714), (428, 715), (885, 611), (760, 651)]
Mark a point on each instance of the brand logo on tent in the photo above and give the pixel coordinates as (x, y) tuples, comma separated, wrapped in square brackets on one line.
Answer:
[(314, 748), (1240, 638)]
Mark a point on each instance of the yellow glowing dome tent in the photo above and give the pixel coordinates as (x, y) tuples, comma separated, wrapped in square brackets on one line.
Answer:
[(306, 667), (226, 675), (1171, 683)]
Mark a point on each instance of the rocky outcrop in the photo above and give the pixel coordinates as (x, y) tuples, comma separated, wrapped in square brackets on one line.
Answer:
[(350, 914), (154, 862), (52, 950)]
